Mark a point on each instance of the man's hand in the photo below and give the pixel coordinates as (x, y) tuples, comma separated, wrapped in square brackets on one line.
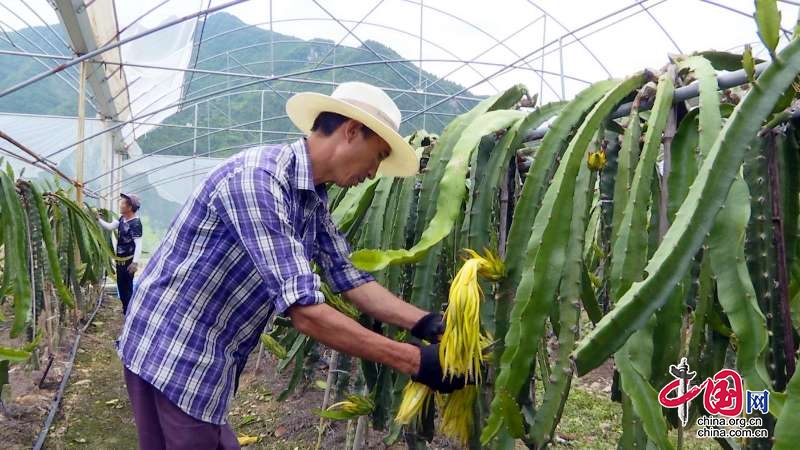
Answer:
[(429, 328), (430, 372), (132, 268)]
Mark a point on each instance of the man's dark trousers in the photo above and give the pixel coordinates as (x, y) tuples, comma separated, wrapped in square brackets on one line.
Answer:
[(124, 284), (163, 426)]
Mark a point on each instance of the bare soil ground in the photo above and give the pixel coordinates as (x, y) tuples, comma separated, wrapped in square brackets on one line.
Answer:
[(24, 403)]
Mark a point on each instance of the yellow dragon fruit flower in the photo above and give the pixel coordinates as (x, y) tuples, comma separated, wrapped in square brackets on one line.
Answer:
[(354, 406), (461, 350), (596, 160), (457, 414)]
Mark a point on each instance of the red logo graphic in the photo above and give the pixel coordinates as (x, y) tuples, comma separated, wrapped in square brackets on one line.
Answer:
[(723, 393)]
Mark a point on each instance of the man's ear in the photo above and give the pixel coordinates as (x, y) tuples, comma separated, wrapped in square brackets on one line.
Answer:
[(351, 130)]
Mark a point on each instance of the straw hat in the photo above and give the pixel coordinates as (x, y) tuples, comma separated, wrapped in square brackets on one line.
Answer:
[(366, 104)]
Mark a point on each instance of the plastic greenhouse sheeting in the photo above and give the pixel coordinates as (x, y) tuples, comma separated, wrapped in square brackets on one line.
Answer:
[(47, 134), (149, 95), (173, 177), (151, 90)]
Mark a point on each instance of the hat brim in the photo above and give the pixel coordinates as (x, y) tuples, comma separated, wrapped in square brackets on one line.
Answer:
[(303, 108)]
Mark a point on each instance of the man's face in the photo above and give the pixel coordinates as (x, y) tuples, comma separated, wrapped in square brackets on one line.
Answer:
[(357, 158), (124, 206)]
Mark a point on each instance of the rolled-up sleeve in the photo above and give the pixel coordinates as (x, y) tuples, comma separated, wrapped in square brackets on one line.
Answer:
[(255, 207), (334, 258)]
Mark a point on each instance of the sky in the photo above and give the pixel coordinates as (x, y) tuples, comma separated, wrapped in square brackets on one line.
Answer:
[(617, 37)]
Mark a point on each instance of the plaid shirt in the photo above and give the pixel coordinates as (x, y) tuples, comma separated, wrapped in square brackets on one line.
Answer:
[(237, 253)]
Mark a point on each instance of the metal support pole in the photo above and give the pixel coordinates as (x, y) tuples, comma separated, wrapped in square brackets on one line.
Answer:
[(419, 69), (271, 44), (194, 148), (112, 175), (260, 122), (419, 83), (106, 162), (116, 167), (228, 82), (81, 132), (561, 68), (425, 106), (37, 160), (79, 312), (544, 42)]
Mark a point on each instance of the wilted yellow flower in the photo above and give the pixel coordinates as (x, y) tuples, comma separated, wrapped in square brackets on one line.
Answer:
[(245, 440), (416, 397)]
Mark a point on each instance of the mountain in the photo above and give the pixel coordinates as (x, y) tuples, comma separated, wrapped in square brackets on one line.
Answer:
[(48, 96), (229, 45)]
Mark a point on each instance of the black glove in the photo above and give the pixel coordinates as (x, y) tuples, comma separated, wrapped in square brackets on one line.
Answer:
[(430, 372), (430, 327)]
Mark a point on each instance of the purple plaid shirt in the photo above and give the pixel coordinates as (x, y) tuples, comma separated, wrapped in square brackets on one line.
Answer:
[(238, 252)]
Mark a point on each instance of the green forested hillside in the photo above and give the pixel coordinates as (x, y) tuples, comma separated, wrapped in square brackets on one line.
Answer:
[(48, 96)]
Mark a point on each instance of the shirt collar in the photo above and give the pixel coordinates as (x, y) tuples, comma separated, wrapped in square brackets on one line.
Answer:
[(303, 176)]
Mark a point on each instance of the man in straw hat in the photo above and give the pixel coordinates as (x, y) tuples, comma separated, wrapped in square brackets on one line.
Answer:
[(239, 252)]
